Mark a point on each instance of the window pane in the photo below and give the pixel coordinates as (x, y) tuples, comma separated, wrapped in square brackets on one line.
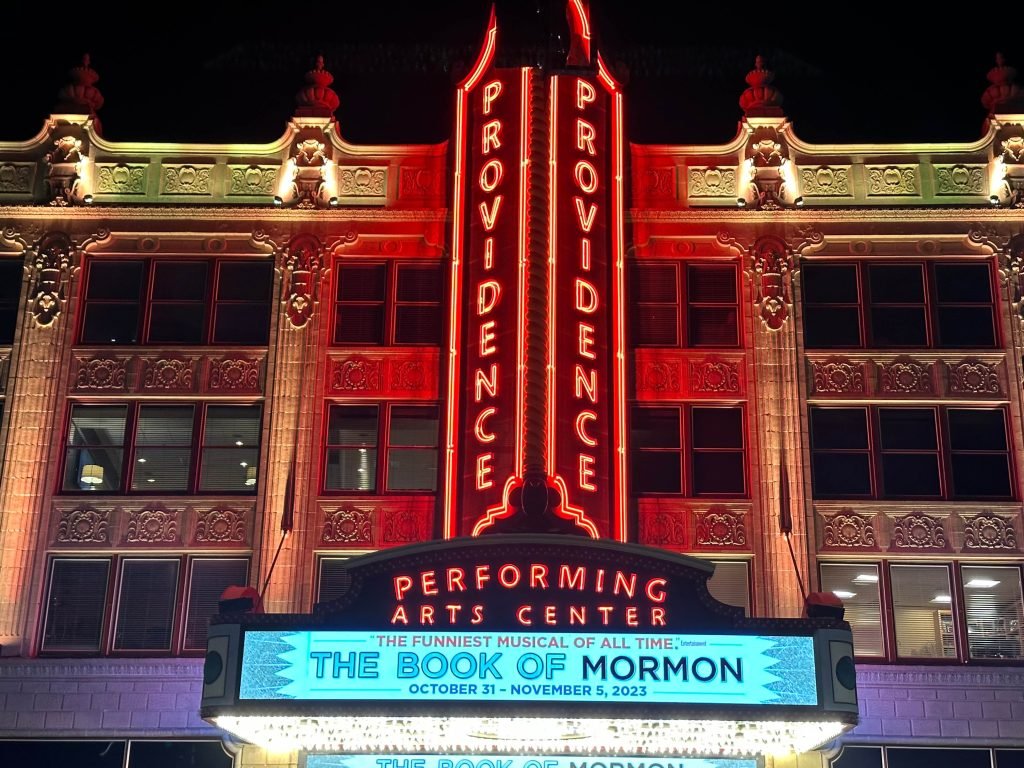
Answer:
[(245, 281), (419, 284), (992, 601), (359, 324), (858, 757), (11, 276), (966, 327), (96, 464), (178, 754), (857, 587), (231, 442), (75, 605), (163, 448), (110, 324), (182, 281), (232, 425), (113, 296), (241, 324), (209, 579), (657, 472), (898, 327), (826, 327), (910, 474), (413, 425), (907, 428), (412, 469), (716, 427), (60, 753), (897, 284), (365, 282), (976, 429), (963, 283), (334, 580), (115, 280), (418, 324), (979, 475), (653, 283), (729, 584), (713, 284), (352, 425), (839, 475), (1010, 758), (924, 757), (654, 304), (655, 428), (352, 469), (713, 327), (922, 609), (718, 472), (178, 323), (655, 325), (145, 606), (839, 428), (829, 284)]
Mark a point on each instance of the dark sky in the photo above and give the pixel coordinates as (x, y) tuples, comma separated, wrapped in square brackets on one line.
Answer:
[(228, 71)]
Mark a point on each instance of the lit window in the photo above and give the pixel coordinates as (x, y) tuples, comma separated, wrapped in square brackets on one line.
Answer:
[(922, 606), (994, 609), (857, 586)]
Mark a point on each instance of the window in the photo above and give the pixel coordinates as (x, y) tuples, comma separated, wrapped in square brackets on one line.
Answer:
[(193, 448), (911, 611), (899, 305), (118, 753), (684, 305), (154, 609), (923, 757), (11, 277), (164, 301), (730, 584), (385, 304), (333, 579), (911, 453), (705, 456), (406, 435)]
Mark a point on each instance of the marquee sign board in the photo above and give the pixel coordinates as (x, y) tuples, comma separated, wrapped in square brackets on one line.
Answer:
[(458, 640), (515, 761)]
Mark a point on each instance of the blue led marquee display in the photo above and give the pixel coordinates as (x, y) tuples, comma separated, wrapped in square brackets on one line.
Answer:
[(619, 668), (516, 761)]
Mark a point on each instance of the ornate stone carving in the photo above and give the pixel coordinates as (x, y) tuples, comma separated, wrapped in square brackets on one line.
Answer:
[(918, 531), (187, 180), (892, 180), (837, 376), (364, 182), (83, 526), (720, 528), (959, 179), (848, 529), (307, 175), (235, 374), (52, 264), (404, 525), (302, 279), (64, 171), (220, 525), (408, 375), (657, 182), (356, 374), (1013, 150), (420, 182), (826, 181), (16, 177), (252, 180), (101, 373), (905, 377), (712, 182), (168, 373), (712, 375), (663, 528), (349, 525), (120, 178), (659, 376), (771, 264), (151, 526), (974, 377), (988, 531)]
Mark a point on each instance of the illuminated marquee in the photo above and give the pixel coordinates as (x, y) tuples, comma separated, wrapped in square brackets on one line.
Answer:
[(542, 761)]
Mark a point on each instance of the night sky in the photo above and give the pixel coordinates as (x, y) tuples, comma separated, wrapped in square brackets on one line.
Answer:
[(229, 72)]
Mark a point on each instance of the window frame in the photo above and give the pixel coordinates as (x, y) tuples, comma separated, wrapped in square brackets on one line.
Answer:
[(146, 302), (382, 446), (687, 451), (129, 447), (931, 303)]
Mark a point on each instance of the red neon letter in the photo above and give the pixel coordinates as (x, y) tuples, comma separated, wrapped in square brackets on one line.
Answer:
[(585, 384), (655, 590), (483, 575), (490, 216), (587, 473), (585, 134), (480, 429), (491, 173), (586, 296), (585, 254), (482, 382), (402, 585), (538, 576), (491, 138), (490, 93), (429, 581), (657, 617), (512, 580), (585, 93), (523, 614), (488, 253), (487, 339), (483, 469), (455, 576), (487, 296), (585, 174), (586, 342), (581, 428), (586, 218)]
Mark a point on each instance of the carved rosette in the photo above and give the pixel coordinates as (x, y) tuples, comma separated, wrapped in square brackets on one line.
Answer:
[(83, 526), (657, 182), (771, 264), (404, 525), (837, 377), (151, 526), (825, 181), (712, 182), (959, 179), (348, 525), (918, 531), (989, 532), (16, 177), (420, 182), (720, 528), (363, 182), (663, 528), (714, 376), (905, 377), (234, 374), (187, 180), (220, 526), (974, 377), (252, 180), (101, 373), (301, 263), (356, 374), (659, 376), (408, 375), (848, 529), (168, 373), (120, 179), (52, 266), (892, 180)]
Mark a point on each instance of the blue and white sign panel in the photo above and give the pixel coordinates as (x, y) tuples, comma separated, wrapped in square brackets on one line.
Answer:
[(508, 666), (475, 761)]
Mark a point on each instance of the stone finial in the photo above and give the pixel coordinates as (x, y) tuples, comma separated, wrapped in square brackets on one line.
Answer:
[(80, 95), (316, 98), (1003, 94), (761, 98)]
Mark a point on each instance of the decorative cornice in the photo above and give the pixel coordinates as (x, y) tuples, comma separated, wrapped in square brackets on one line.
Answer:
[(101, 667), (885, 676), (221, 213), (733, 215)]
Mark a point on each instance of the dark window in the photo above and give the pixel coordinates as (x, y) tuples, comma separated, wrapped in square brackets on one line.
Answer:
[(174, 448), (730, 584), (909, 456), (710, 462), (381, 304), (898, 305), (693, 305), (207, 582), (334, 579), (178, 754), (407, 434), (145, 605), (75, 605), (1010, 758), (61, 753), (930, 757), (11, 274), (177, 302), (858, 757)]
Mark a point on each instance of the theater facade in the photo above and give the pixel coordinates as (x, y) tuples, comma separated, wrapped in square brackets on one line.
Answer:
[(536, 448)]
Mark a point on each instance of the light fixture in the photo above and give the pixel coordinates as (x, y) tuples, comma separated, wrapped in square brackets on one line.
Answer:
[(942, 599), (278, 201), (362, 450), (843, 594), (87, 199), (981, 583), (741, 203), (92, 474), (333, 202), (142, 460), (799, 202), (243, 463), (150, 480), (866, 578), (239, 443), (250, 476)]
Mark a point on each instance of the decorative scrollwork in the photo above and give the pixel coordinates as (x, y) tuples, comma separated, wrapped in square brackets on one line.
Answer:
[(220, 525), (988, 531), (663, 528), (151, 526), (302, 274), (837, 376), (974, 378), (906, 377), (356, 374), (721, 528), (918, 531), (235, 374), (772, 264), (83, 526), (101, 373), (717, 376), (348, 525), (52, 265), (659, 376), (168, 373), (404, 525), (848, 529)]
